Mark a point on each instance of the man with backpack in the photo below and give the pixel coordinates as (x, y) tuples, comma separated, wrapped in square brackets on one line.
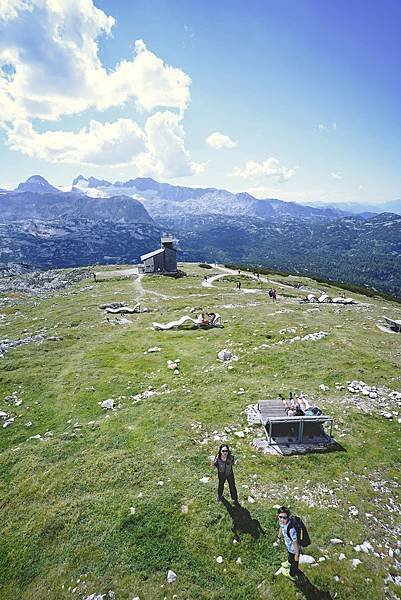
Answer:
[(295, 535)]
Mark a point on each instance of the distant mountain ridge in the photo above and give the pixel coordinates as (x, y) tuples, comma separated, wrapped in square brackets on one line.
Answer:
[(101, 222), (37, 199), (45, 227), (363, 208), (161, 199)]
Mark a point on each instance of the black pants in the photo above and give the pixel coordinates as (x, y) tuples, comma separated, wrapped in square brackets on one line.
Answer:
[(294, 569), (231, 484)]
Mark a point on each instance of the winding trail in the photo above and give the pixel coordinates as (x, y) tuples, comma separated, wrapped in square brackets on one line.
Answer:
[(210, 280), (141, 290)]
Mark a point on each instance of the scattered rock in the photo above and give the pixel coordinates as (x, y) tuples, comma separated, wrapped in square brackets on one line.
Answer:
[(252, 414), (219, 559), (7, 345), (306, 559), (226, 356), (336, 541), (174, 365), (239, 434), (42, 282), (109, 404), (171, 576)]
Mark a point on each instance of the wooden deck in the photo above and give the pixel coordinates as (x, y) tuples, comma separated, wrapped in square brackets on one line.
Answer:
[(294, 434), (393, 324)]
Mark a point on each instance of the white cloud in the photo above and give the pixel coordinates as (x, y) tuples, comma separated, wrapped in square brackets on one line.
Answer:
[(219, 140), (50, 65), (268, 168), (167, 156), (158, 149), (336, 175), (100, 143), (325, 127)]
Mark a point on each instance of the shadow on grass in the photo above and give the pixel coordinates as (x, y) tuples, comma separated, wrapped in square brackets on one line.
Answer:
[(310, 591), (242, 520)]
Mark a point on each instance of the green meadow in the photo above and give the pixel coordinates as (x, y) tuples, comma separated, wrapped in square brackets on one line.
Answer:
[(97, 501)]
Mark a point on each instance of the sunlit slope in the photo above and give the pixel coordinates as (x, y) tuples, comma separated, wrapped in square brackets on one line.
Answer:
[(97, 500)]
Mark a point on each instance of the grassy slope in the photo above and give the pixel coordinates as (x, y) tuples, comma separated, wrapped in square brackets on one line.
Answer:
[(65, 501)]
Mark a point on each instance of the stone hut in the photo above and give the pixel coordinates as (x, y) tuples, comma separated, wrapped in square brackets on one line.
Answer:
[(163, 260)]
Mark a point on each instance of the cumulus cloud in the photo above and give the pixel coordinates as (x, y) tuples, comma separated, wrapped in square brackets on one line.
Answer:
[(336, 175), (219, 140), (167, 156), (158, 149), (270, 167), (100, 143), (50, 65)]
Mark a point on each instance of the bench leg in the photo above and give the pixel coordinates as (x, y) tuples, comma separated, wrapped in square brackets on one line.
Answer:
[(301, 431)]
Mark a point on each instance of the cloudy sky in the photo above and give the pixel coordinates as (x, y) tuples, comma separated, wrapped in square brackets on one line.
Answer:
[(295, 99)]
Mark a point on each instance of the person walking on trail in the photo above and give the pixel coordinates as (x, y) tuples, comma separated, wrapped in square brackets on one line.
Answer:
[(289, 533), (224, 462)]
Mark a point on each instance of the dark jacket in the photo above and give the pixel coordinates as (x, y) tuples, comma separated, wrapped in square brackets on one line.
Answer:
[(224, 467)]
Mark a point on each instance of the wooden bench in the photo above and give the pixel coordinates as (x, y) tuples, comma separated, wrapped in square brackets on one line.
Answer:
[(393, 324), (272, 413)]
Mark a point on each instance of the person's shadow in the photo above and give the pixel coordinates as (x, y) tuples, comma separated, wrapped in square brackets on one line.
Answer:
[(242, 520), (310, 591)]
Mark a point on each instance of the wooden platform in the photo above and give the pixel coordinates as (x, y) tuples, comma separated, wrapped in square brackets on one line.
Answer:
[(393, 324), (302, 434)]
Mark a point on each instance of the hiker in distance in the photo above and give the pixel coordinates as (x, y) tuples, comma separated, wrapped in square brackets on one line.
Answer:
[(224, 462), (295, 535)]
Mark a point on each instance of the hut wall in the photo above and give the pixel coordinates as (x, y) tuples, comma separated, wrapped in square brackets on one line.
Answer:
[(170, 260)]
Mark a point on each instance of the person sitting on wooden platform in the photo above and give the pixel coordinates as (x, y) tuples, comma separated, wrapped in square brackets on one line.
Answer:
[(292, 408)]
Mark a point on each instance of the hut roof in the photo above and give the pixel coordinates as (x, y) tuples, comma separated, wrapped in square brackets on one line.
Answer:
[(154, 253)]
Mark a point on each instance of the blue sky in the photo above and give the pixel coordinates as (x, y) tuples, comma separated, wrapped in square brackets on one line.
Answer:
[(295, 99)]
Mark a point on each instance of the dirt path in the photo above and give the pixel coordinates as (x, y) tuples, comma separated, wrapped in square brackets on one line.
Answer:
[(140, 290), (209, 282)]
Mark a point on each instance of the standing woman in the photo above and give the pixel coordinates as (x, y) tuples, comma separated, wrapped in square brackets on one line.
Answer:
[(224, 462)]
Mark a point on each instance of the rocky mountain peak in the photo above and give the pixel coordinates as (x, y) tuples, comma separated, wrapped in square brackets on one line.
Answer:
[(37, 184)]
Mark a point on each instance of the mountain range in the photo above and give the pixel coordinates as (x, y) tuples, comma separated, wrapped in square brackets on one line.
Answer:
[(148, 190), (102, 222), (163, 199)]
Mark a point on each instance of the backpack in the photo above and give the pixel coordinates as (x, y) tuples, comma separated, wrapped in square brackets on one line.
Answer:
[(302, 533)]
